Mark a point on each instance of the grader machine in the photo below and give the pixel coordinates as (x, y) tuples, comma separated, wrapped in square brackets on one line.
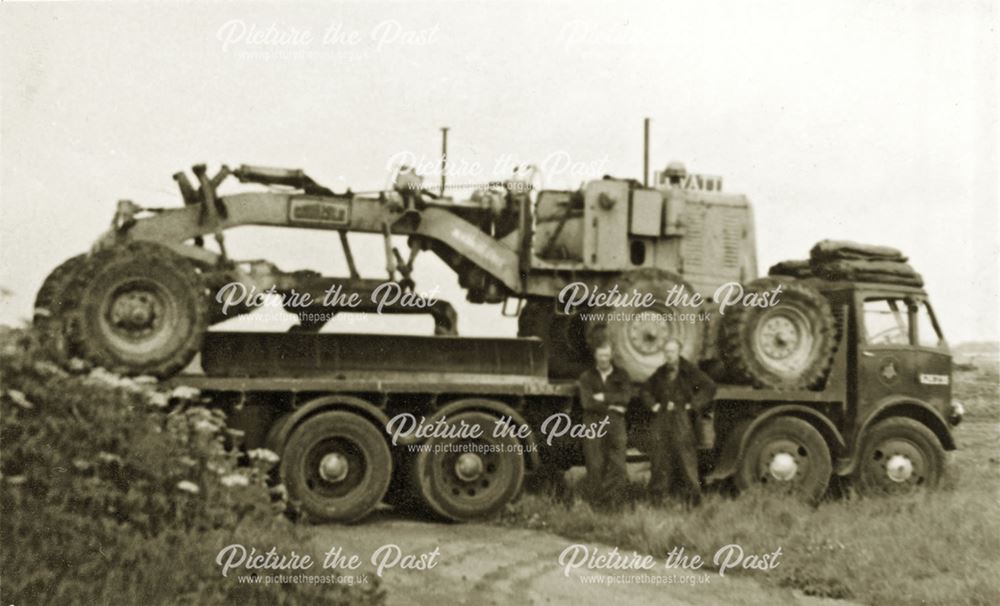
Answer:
[(141, 300)]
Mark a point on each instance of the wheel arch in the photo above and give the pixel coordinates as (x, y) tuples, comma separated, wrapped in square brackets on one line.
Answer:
[(898, 406), (284, 426), (736, 443)]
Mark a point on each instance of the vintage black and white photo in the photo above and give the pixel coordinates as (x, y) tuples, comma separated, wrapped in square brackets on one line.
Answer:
[(499, 303)]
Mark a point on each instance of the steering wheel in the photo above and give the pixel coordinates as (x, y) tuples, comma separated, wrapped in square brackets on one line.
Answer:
[(888, 336)]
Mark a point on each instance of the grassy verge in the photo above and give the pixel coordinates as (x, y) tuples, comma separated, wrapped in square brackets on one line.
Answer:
[(936, 548), (114, 492)]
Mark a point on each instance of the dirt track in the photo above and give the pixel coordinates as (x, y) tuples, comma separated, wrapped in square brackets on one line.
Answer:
[(482, 564)]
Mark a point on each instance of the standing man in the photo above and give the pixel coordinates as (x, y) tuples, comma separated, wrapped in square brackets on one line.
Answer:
[(676, 394), (605, 391)]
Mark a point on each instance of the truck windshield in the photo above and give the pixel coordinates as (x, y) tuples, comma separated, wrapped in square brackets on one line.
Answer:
[(886, 322), (898, 321), (927, 331)]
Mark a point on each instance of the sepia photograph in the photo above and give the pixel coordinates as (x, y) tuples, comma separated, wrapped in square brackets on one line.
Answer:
[(488, 303)]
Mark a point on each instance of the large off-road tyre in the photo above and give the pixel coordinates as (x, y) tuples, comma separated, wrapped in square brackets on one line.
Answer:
[(336, 466), (141, 310), (899, 456), (52, 303), (786, 455), (564, 336), (464, 479), (788, 345), (638, 333)]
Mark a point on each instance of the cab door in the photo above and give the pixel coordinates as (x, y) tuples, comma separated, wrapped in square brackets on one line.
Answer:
[(901, 353)]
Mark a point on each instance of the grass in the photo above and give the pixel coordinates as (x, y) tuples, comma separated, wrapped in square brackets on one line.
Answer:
[(110, 496), (932, 548)]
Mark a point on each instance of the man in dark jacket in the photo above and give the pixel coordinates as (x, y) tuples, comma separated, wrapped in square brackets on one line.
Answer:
[(605, 392), (676, 394)]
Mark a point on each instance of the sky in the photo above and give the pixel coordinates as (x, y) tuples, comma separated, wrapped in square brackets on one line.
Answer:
[(869, 121)]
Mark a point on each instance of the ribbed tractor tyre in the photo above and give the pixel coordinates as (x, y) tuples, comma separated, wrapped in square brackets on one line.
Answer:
[(52, 303), (787, 346), (637, 334), (564, 337), (141, 310)]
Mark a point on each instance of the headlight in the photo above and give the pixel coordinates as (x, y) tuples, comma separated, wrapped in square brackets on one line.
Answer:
[(957, 412)]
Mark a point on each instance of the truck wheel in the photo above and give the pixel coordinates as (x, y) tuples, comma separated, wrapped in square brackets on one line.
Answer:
[(788, 345), (899, 456), (786, 455), (336, 466), (465, 479), (53, 301), (564, 337), (141, 310), (638, 333)]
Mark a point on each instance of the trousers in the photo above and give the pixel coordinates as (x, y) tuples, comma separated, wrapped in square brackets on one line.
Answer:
[(673, 456), (605, 459)]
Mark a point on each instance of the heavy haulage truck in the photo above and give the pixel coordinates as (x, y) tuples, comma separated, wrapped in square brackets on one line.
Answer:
[(846, 375)]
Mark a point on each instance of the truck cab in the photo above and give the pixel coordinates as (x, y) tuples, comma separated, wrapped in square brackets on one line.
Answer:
[(900, 386), (882, 418), (902, 357)]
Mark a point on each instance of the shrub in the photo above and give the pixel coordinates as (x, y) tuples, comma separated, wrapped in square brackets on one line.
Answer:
[(115, 491)]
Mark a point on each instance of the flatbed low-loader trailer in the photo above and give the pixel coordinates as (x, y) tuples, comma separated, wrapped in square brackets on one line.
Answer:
[(335, 406)]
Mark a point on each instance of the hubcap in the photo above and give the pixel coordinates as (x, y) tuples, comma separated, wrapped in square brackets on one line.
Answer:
[(783, 341), (899, 468), (333, 467), (779, 337), (647, 337), (469, 467), (896, 465), (140, 317), (783, 467), (135, 311)]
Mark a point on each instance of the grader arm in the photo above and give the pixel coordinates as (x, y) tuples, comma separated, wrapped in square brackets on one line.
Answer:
[(441, 221)]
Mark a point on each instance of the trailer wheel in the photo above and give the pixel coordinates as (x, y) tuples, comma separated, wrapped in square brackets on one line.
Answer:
[(336, 466), (141, 309), (899, 456), (786, 455), (465, 478), (53, 301), (787, 345)]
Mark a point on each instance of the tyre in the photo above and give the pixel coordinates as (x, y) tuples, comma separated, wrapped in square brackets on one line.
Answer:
[(564, 337), (52, 304), (899, 456), (637, 333), (786, 455), (141, 310), (465, 478), (786, 346), (336, 467)]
